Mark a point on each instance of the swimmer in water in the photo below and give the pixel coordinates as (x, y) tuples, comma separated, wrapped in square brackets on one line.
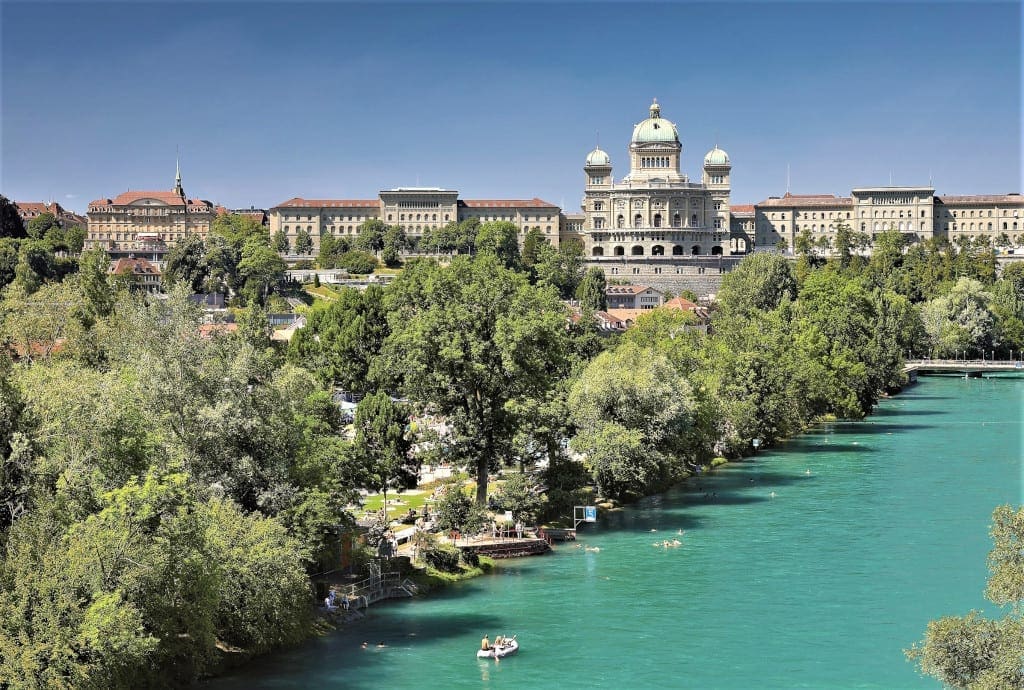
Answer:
[(381, 645), (808, 473), (772, 494), (676, 542), (652, 530), (680, 531), (364, 645)]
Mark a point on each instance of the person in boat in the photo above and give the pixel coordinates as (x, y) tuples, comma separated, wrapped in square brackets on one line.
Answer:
[(499, 641), (485, 644)]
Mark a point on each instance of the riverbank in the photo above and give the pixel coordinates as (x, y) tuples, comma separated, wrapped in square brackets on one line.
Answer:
[(821, 585)]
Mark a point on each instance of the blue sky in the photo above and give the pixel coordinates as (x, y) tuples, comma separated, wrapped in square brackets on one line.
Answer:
[(337, 100)]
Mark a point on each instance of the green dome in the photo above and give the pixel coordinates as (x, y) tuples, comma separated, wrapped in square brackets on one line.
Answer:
[(597, 157), (655, 129), (716, 156)]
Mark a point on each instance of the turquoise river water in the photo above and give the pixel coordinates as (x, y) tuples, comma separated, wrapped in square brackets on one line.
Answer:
[(784, 580)]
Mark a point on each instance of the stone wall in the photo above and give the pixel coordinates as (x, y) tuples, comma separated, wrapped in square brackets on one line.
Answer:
[(702, 275)]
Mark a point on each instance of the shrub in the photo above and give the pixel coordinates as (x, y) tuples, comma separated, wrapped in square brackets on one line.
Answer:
[(357, 262), (442, 557)]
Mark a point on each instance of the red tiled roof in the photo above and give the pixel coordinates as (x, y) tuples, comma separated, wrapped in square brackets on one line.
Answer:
[(299, 202), (798, 200), (741, 208), (625, 289), (38, 207), (982, 199), (134, 267), (680, 303), (208, 330), (169, 198), (506, 203)]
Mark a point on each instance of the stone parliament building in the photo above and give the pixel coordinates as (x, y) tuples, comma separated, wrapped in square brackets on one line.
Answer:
[(653, 226)]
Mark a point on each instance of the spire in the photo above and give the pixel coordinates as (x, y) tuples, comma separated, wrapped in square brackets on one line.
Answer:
[(655, 109), (177, 176)]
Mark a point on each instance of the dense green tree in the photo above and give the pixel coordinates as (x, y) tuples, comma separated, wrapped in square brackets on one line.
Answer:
[(10, 220), (303, 242), (238, 229), (97, 289), (280, 242), (8, 261), (960, 320), (522, 495), (383, 441), (357, 262), (759, 281), (974, 652), (371, 235), (186, 264), (467, 339), (395, 242), (561, 268), (261, 269), (591, 291), (634, 412), (532, 242), (220, 266), (41, 224), (342, 338), (499, 238), (36, 265), (456, 510)]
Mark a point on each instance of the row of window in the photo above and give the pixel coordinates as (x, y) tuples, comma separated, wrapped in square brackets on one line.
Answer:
[(1006, 212), (656, 250), (655, 162)]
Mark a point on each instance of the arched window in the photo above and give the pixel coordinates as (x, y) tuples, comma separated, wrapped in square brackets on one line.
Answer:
[(677, 250), (598, 251), (695, 249), (716, 251), (657, 250), (620, 222), (876, 227), (657, 220), (638, 220), (693, 220), (676, 221), (619, 251), (637, 250)]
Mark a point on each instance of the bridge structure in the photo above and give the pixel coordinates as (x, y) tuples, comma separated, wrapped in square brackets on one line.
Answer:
[(972, 368)]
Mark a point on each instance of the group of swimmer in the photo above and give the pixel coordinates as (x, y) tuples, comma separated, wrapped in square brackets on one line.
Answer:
[(588, 548)]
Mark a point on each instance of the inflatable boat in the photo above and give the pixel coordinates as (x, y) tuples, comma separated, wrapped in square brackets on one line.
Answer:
[(507, 648)]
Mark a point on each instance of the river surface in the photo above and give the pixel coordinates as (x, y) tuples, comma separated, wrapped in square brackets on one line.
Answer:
[(812, 566)]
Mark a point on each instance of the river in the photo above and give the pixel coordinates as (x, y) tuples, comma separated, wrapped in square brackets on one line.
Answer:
[(812, 566)]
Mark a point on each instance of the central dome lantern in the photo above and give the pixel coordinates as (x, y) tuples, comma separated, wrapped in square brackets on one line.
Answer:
[(655, 129)]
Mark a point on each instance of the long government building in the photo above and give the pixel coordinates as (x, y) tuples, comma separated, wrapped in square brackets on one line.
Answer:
[(654, 221)]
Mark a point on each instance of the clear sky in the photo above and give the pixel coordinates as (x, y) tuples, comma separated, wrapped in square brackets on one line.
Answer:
[(272, 100)]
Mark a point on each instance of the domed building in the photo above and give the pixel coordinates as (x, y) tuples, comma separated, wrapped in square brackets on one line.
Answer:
[(655, 210)]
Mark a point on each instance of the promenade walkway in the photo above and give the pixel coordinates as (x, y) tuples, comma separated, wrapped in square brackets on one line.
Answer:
[(962, 366)]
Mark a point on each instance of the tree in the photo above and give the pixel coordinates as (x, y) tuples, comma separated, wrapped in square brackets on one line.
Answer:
[(371, 235), (500, 239), (960, 320), (591, 291), (10, 220), (561, 268), (531, 247), (342, 338), (36, 265), (760, 281), (303, 242), (280, 242), (238, 229), (261, 269), (186, 264), (467, 339), (357, 262), (634, 412), (974, 652), (844, 244), (457, 511), (96, 288), (8, 261), (395, 242), (41, 224), (383, 442), (522, 495)]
